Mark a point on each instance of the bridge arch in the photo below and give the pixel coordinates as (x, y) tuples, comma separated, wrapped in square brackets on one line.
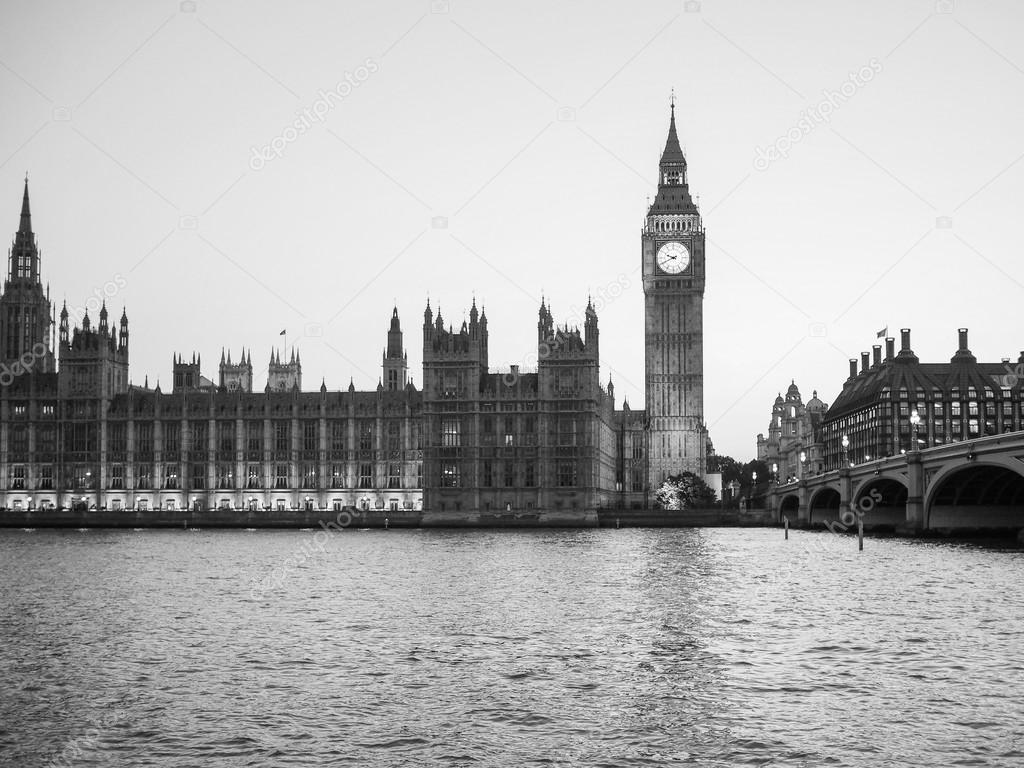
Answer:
[(880, 499), (987, 493), (789, 506), (823, 506)]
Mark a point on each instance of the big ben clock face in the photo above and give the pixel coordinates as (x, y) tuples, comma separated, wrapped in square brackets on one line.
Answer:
[(673, 258)]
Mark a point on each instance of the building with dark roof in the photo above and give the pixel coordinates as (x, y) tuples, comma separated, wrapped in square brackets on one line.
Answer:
[(874, 416)]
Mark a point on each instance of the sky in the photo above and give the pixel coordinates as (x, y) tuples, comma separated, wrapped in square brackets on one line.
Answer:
[(229, 170)]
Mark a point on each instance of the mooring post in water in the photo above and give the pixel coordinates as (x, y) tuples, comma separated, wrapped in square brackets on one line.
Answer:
[(785, 524), (616, 522), (860, 533), (385, 523)]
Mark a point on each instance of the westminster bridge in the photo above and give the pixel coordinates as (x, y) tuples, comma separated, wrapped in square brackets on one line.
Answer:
[(970, 484)]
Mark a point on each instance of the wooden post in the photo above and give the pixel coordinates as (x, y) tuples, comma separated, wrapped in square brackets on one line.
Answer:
[(860, 533), (785, 522)]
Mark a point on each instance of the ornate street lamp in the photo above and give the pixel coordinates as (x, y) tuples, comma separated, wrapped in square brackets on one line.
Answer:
[(775, 473), (915, 420), (846, 449), (803, 463)]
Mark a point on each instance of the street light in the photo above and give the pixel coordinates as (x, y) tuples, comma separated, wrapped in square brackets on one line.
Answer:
[(775, 473), (846, 449), (803, 463), (915, 419)]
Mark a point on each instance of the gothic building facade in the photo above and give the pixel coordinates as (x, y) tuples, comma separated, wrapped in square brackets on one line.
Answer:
[(74, 432)]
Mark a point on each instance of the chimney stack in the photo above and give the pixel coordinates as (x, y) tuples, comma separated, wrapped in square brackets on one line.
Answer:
[(890, 348), (876, 355), (853, 366), (962, 352), (905, 340), (863, 362)]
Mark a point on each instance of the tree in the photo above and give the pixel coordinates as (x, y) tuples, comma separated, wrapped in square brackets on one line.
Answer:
[(685, 491), (728, 466)]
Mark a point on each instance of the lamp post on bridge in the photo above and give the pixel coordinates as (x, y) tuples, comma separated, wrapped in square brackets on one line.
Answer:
[(846, 449), (803, 464), (915, 420)]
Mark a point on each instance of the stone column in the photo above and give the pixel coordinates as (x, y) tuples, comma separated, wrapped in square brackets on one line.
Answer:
[(915, 491)]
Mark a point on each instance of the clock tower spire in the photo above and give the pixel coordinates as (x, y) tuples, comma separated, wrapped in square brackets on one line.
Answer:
[(672, 260)]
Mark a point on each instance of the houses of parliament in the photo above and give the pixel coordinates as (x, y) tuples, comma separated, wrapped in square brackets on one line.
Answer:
[(76, 434)]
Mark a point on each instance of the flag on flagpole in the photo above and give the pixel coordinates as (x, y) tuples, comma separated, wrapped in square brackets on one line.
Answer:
[(282, 333), (883, 333)]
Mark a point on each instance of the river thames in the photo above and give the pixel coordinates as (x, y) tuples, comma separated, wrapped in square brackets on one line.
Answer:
[(708, 647)]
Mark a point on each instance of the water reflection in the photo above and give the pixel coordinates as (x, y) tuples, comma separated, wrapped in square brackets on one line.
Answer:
[(596, 647)]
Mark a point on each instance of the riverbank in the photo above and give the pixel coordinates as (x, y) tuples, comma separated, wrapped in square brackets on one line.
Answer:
[(226, 518)]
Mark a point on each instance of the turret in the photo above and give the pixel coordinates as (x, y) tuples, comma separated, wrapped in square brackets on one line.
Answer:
[(236, 377), (64, 329), (545, 324), (122, 336), (590, 328), (395, 362), (284, 376)]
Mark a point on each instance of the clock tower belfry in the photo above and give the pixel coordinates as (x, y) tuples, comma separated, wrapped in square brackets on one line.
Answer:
[(673, 255)]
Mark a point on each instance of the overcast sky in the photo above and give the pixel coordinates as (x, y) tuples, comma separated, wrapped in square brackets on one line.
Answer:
[(534, 130)]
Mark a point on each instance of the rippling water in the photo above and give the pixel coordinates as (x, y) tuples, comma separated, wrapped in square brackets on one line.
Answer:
[(714, 647)]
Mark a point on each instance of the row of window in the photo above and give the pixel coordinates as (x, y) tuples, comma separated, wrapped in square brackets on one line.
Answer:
[(451, 474), (253, 477), (84, 436)]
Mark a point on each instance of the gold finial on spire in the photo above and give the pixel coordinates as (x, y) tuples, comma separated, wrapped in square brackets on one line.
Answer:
[(672, 100)]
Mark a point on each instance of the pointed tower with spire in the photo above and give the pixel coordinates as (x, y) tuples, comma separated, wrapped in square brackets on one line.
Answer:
[(672, 260), (396, 361), (26, 315)]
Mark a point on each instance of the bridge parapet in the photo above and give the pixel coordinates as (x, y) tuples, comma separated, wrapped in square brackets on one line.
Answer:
[(908, 482)]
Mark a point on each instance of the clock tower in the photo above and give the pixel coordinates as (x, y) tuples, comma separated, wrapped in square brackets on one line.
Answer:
[(673, 277)]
